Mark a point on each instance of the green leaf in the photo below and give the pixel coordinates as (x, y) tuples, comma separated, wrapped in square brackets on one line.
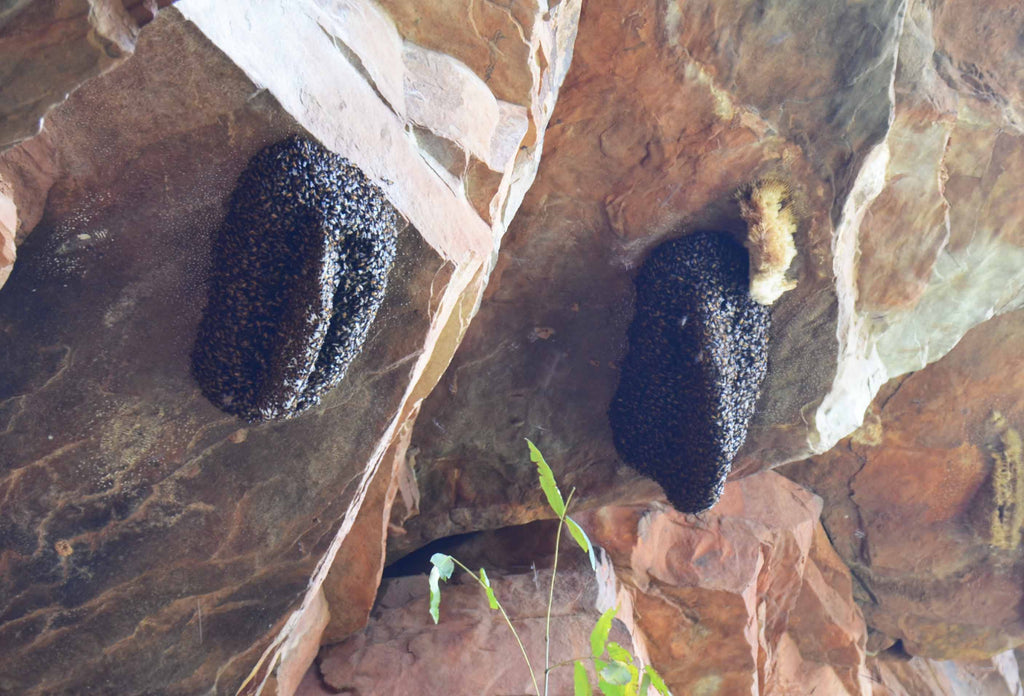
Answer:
[(547, 481), (616, 673), (619, 653), (443, 568), (444, 564), (657, 681), (582, 539), (645, 685), (580, 680), (491, 599), (611, 689), (599, 636), (634, 676), (435, 594)]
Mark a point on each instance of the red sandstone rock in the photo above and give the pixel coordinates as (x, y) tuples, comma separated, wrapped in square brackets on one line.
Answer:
[(137, 520), (8, 225), (350, 587), (48, 49), (162, 533), (471, 651), (916, 505), (747, 598), (900, 676), (909, 228)]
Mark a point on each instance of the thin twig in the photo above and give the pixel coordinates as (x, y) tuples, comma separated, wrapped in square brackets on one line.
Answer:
[(508, 621), (574, 660), (551, 592)]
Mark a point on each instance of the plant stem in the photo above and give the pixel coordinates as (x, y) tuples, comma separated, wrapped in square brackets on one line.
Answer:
[(515, 633), (551, 592), (566, 663)]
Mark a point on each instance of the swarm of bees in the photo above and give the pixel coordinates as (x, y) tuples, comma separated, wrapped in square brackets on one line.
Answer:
[(299, 269), (698, 351)]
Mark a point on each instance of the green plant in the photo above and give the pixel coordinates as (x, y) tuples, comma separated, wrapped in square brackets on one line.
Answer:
[(616, 672)]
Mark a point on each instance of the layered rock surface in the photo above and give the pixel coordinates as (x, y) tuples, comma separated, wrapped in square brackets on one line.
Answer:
[(138, 520), (924, 503), (896, 676), (47, 49), (749, 599), (908, 220), (471, 651), (899, 140)]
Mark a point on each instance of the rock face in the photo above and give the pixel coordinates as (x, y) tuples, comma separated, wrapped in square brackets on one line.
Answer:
[(48, 49), (749, 599), (471, 651), (924, 502), (947, 170), (151, 543), (138, 520), (8, 224), (661, 120), (900, 144), (653, 135), (896, 676)]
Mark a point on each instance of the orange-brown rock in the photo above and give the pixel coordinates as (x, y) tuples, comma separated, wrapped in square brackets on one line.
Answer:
[(48, 49), (138, 520), (662, 118), (939, 249), (902, 676), (471, 650), (748, 598), (350, 587), (908, 238), (925, 501), (8, 225)]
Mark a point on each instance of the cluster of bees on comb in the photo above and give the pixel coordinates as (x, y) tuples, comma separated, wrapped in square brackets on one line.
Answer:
[(299, 269), (698, 351), (698, 348)]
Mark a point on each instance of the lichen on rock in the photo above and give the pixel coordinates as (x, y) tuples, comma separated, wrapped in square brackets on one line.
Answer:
[(300, 267), (697, 356), (1006, 516)]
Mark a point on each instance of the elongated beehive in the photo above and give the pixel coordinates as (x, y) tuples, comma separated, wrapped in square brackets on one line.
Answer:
[(697, 356), (299, 270)]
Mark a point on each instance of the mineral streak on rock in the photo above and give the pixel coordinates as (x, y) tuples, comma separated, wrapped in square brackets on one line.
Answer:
[(300, 267), (1006, 507), (697, 355)]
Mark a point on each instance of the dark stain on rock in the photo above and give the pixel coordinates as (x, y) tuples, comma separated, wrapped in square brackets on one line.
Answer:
[(300, 268), (697, 356)]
